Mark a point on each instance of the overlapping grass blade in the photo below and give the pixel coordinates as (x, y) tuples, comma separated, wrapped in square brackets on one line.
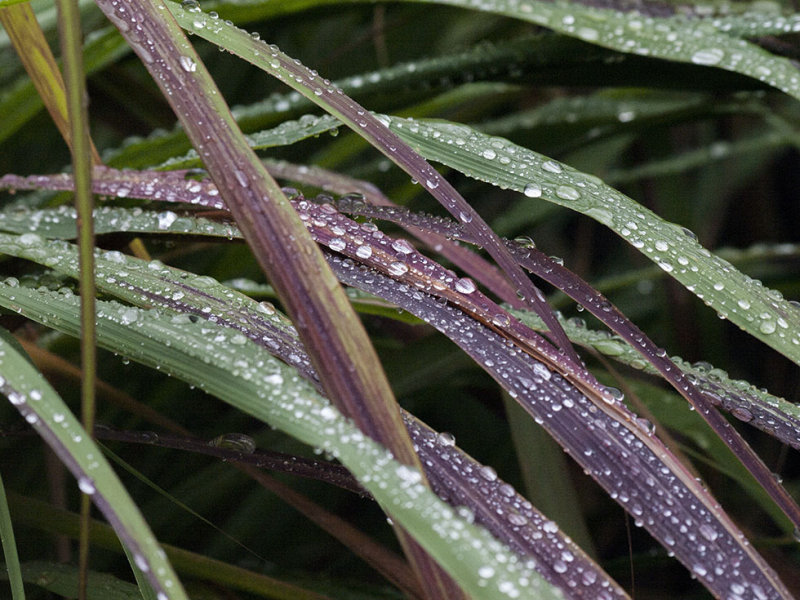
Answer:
[(761, 312), (308, 82), (228, 365), (694, 41), (523, 383), (46, 412)]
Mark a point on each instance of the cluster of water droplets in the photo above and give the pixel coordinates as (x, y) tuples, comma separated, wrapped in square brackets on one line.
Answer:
[(510, 517), (673, 248), (647, 487), (675, 38)]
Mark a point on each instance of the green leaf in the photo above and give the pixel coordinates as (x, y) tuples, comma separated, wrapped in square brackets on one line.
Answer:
[(694, 41), (760, 311), (46, 412), (228, 365)]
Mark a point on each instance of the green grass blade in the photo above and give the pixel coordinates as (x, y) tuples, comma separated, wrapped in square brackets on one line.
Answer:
[(692, 41), (62, 580), (15, 577), (761, 312), (46, 412), (231, 367)]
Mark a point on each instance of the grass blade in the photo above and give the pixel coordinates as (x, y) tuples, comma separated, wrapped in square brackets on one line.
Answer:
[(33, 397), (10, 554), (335, 102), (693, 41), (270, 392)]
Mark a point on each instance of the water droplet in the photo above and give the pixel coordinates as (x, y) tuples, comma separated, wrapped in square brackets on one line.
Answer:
[(532, 190), (188, 64), (402, 246), (364, 252), (465, 285), (767, 326), (337, 244), (501, 320), (398, 268), (241, 177), (488, 473), (517, 519), (86, 485), (128, 316), (742, 414), (489, 154), (708, 56), (166, 218), (551, 166), (446, 439), (485, 572), (465, 217), (238, 442), (566, 192)]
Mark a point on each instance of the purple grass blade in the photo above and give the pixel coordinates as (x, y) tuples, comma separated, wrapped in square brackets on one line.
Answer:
[(626, 459), (473, 265), (595, 303), (320, 470), (600, 433), (338, 345), (331, 99), (462, 481), (738, 398)]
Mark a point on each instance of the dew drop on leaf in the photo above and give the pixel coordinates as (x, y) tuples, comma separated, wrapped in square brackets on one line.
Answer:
[(237, 442), (446, 439), (532, 190), (188, 64), (708, 56), (566, 192), (551, 166), (465, 285), (86, 485), (398, 268)]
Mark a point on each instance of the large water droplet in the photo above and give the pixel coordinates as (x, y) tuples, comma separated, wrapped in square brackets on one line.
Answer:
[(551, 166), (708, 56), (532, 190), (566, 192), (86, 485), (398, 268), (238, 442), (465, 285), (188, 64), (446, 439), (337, 244), (402, 246)]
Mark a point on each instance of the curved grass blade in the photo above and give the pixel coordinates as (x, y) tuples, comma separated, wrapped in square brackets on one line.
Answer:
[(760, 409), (245, 376), (335, 102), (356, 191), (530, 381), (10, 554), (693, 41), (42, 408), (347, 363), (149, 284), (326, 212), (761, 312), (563, 279), (652, 486)]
